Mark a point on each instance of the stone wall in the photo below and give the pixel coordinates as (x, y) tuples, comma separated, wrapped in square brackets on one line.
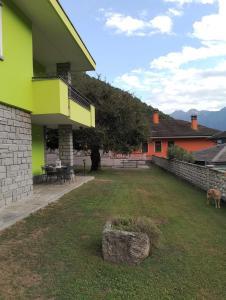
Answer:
[(15, 155), (202, 177), (66, 144)]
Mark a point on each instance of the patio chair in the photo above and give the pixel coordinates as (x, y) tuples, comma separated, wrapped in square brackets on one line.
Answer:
[(69, 173), (60, 173), (50, 173), (44, 176)]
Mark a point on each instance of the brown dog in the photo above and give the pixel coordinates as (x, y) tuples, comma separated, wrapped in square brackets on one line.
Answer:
[(215, 195)]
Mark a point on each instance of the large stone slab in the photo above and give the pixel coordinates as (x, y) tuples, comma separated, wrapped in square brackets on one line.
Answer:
[(123, 246)]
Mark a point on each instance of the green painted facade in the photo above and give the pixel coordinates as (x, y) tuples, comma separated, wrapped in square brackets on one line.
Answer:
[(16, 70), (47, 97), (50, 97), (38, 149)]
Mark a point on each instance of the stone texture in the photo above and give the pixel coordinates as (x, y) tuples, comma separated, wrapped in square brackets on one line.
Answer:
[(202, 177), (123, 246), (66, 144), (15, 155)]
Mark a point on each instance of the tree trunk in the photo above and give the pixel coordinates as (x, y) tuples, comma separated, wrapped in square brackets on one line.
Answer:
[(95, 159)]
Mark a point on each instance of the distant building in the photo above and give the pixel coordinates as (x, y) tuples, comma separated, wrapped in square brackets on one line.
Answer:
[(219, 138), (212, 156), (190, 136)]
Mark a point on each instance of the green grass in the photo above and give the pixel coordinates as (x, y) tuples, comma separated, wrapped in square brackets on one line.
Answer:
[(56, 253)]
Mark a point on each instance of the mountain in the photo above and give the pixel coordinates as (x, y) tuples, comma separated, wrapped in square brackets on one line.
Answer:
[(212, 119)]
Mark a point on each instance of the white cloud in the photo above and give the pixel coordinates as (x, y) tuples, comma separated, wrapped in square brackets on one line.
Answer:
[(130, 26), (124, 24), (182, 2), (132, 81), (185, 79), (163, 23), (175, 12), (210, 30), (181, 89), (212, 27), (175, 60)]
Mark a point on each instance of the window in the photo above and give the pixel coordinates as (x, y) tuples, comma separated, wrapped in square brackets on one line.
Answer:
[(1, 47), (170, 144), (158, 146), (145, 148)]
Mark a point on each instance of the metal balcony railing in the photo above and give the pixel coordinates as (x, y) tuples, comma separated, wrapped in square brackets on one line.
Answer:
[(73, 94)]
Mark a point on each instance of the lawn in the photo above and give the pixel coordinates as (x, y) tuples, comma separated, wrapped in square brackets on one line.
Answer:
[(56, 253)]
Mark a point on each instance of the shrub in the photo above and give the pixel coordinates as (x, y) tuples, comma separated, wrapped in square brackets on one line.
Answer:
[(139, 224), (176, 152)]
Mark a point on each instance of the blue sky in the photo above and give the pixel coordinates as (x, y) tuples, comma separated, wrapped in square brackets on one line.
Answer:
[(169, 53)]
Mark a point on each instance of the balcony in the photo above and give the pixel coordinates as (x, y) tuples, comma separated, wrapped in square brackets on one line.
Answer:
[(55, 102)]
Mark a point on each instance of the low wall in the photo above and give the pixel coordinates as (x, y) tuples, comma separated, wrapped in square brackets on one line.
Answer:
[(200, 176), (107, 160)]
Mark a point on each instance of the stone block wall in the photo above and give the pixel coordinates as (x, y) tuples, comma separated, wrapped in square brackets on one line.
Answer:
[(66, 145), (200, 176), (15, 155)]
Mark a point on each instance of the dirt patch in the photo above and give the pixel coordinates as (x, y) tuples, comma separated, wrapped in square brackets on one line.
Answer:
[(85, 237), (15, 279), (144, 192), (16, 254), (103, 180), (160, 221), (206, 294), (37, 234)]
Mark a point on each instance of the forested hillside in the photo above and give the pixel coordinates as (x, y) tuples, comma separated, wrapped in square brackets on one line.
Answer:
[(122, 120)]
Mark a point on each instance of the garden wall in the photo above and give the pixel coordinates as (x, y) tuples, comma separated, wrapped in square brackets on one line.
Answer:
[(200, 176)]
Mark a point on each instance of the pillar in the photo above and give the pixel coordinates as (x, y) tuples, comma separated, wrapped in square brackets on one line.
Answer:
[(66, 145)]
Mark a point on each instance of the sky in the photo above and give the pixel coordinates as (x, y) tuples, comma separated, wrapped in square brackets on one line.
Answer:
[(169, 53)]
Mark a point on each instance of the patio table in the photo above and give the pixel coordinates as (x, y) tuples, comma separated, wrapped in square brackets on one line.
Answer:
[(60, 173)]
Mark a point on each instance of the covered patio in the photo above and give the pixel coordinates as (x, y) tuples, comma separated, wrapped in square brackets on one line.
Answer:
[(43, 194)]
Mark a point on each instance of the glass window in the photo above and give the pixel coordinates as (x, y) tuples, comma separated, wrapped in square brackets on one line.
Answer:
[(158, 146), (1, 47), (145, 148)]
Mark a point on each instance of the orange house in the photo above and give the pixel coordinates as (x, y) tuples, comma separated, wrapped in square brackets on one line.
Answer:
[(167, 131)]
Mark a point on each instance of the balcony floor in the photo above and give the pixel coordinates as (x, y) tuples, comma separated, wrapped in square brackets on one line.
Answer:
[(43, 195)]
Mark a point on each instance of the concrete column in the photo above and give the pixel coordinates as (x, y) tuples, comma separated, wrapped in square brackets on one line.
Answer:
[(66, 144)]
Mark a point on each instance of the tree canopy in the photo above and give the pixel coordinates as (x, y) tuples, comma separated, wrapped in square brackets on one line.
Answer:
[(122, 120)]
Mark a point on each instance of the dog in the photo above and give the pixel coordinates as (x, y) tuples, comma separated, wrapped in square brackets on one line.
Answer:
[(215, 195)]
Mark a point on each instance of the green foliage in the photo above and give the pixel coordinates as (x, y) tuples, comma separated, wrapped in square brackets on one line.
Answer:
[(122, 120), (56, 252), (139, 224), (52, 138), (176, 152)]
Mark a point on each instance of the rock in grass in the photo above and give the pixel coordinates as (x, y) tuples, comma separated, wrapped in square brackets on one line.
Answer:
[(126, 240)]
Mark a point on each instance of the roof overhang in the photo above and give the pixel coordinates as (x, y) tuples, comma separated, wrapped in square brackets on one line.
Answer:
[(55, 40), (54, 120)]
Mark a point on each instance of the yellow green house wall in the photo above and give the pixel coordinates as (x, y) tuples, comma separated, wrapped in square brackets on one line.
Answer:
[(20, 91), (16, 70), (50, 97), (38, 149)]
